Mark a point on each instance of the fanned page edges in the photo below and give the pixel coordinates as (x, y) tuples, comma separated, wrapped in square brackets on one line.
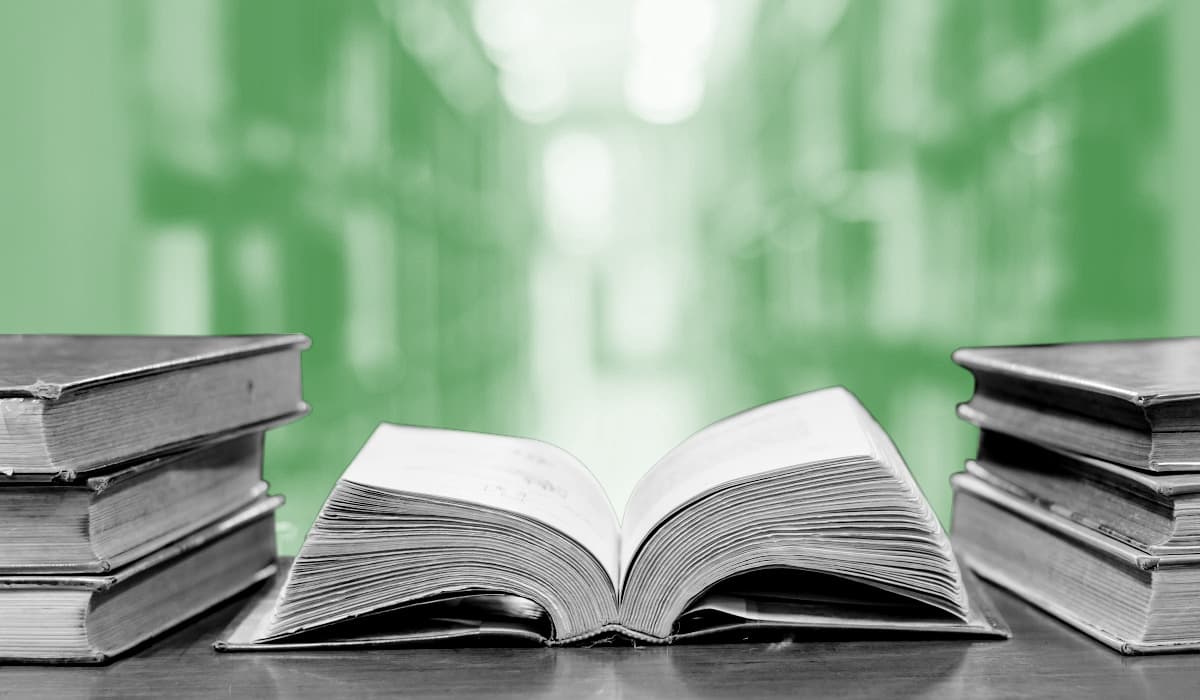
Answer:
[(372, 550), (823, 491), (827, 492), (874, 536), (246, 631)]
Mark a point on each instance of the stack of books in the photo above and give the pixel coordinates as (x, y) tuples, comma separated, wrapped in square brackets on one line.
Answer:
[(1084, 497), (131, 491)]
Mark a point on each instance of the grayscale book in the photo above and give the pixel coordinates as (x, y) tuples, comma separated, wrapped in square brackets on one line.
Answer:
[(799, 514), (1130, 600), (73, 404), (1136, 402), (113, 517), (1156, 513), (91, 618)]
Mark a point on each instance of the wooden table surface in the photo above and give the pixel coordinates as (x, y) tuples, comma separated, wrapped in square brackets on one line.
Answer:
[(1044, 658)]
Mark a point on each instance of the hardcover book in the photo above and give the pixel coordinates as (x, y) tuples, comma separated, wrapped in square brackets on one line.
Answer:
[(91, 618), (115, 516), (799, 514), (1156, 513), (73, 404), (1130, 600), (1134, 402)]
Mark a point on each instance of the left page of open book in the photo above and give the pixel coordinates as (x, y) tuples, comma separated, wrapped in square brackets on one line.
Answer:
[(519, 475)]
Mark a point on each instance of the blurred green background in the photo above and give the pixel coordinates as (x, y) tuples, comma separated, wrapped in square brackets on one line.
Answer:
[(603, 224)]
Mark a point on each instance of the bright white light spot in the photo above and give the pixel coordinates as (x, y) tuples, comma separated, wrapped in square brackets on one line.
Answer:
[(505, 28), (577, 171), (535, 88), (665, 81), (676, 26), (662, 90)]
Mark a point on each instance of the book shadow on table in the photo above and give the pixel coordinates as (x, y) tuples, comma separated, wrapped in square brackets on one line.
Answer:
[(609, 668), (723, 662)]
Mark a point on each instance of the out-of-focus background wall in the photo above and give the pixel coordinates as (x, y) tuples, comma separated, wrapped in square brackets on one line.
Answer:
[(602, 223)]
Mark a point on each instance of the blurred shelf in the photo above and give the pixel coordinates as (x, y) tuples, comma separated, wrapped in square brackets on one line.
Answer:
[(1012, 80)]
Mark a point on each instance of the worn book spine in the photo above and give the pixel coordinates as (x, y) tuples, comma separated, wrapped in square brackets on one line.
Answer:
[(980, 508), (243, 542)]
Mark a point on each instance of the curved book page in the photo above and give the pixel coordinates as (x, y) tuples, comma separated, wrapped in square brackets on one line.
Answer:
[(517, 475), (810, 483), (424, 514), (817, 427)]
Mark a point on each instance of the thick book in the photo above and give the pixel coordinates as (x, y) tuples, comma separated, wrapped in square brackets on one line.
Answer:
[(1132, 601), (799, 514), (90, 619), (72, 404), (1135, 402), (1156, 513), (111, 518)]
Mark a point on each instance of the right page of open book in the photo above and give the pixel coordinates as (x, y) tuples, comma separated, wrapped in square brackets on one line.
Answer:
[(809, 428), (518, 475)]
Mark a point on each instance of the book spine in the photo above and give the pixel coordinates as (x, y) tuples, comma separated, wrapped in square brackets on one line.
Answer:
[(606, 632), (23, 433)]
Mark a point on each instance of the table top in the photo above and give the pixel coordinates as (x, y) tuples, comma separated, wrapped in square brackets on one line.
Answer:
[(1044, 658)]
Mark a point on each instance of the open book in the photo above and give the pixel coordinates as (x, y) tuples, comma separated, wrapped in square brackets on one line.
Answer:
[(796, 514)]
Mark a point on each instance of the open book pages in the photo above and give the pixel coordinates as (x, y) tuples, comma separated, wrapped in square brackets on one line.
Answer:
[(800, 512)]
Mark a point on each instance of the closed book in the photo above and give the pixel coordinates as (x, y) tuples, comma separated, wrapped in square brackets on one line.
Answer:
[(1157, 513), (73, 404), (796, 515), (91, 618), (107, 519), (1135, 403), (1127, 599)]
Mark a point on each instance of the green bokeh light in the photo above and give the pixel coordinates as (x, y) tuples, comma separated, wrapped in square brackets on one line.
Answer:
[(863, 187)]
